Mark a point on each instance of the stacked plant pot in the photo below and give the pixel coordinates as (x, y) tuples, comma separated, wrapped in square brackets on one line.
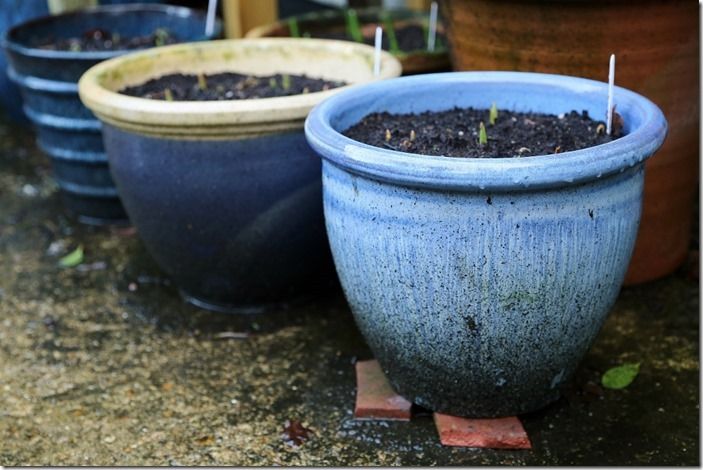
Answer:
[(66, 130)]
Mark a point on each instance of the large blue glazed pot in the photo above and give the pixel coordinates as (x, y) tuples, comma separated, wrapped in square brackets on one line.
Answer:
[(479, 284), (66, 130), (226, 195)]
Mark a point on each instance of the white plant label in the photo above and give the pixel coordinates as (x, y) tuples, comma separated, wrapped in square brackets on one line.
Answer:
[(611, 84), (377, 52), (210, 20), (432, 30)]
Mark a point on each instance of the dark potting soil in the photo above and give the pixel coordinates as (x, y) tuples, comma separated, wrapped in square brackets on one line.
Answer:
[(410, 38), (455, 133), (227, 86), (98, 39)]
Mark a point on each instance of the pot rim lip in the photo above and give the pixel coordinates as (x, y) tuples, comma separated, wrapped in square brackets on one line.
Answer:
[(125, 111), (500, 174), (9, 44)]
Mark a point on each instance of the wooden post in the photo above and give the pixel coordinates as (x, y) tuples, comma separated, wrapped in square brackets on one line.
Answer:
[(242, 15)]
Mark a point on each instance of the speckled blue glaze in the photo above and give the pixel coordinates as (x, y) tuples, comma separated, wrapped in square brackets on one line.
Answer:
[(237, 224), (66, 130), (479, 284)]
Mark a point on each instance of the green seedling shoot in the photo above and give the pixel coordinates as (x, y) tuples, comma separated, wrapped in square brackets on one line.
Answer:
[(493, 114), (293, 29), (202, 81), (390, 31), (160, 37), (353, 28), (273, 83), (168, 95), (285, 81), (482, 135)]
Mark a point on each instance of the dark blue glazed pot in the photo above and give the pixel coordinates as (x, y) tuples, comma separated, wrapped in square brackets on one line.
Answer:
[(12, 13), (226, 195), (66, 130), (479, 284)]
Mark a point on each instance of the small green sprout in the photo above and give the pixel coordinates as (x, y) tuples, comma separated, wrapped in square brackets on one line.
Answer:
[(493, 114), (160, 37), (168, 95), (115, 38), (273, 83), (74, 47), (202, 81), (482, 136), (293, 29), (285, 81), (353, 28), (390, 32)]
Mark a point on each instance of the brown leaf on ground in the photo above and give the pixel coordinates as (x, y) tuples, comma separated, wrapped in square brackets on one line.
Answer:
[(295, 434)]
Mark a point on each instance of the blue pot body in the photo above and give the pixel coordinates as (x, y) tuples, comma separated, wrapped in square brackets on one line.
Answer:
[(12, 13), (66, 130), (479, 284), (237, 224)]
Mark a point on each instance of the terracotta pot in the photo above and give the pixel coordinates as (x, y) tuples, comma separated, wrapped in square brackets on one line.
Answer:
[(657, 50)]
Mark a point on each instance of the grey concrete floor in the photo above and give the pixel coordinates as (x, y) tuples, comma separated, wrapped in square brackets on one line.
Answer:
[(95, 372)]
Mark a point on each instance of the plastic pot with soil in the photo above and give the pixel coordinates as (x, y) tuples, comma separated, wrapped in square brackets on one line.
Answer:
[(405, 34), (479, 283), (222, 187), (48, 55), (657, 45)]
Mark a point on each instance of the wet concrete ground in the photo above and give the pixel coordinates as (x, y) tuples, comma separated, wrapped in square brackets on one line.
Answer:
[(104, 364)]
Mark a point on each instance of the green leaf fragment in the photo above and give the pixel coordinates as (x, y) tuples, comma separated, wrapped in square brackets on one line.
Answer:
[(72, 259), (621, 376)]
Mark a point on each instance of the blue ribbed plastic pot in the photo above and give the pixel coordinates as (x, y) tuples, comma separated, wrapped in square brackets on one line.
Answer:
[(479, 284), (12, 13), (66, 130)]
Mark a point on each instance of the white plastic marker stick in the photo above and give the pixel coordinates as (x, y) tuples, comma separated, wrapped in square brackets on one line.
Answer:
[(432, 32), (210, 21), (377, 52), (611, 83)]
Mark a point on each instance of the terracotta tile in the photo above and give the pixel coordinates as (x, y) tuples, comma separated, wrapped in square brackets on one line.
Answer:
[(375, 398), (496, 433)]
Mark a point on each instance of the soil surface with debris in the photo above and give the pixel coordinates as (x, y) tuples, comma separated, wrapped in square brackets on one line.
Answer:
[(410, 38), (456, 133), (99, 39), (227, 86), (103, 364)]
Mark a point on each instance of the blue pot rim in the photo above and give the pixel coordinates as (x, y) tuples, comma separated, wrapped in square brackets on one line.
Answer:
[(18, 47), (502, 174)]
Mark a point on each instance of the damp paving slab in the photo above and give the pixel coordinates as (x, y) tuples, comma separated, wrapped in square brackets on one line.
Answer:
[(103, 364)]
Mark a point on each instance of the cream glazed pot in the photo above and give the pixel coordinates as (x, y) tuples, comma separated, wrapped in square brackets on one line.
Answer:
[(226, 195)]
